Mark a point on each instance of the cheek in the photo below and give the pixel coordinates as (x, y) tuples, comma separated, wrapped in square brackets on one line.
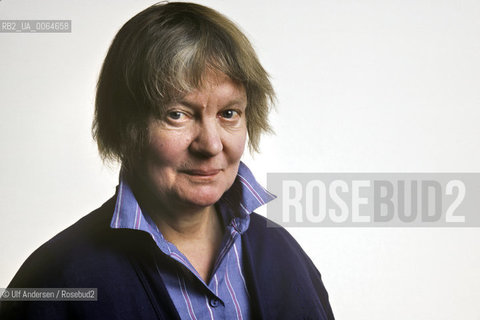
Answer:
[(236, 145), (166, 148)]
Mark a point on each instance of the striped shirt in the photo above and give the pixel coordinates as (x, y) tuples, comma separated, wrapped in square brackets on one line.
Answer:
[(225, 296)]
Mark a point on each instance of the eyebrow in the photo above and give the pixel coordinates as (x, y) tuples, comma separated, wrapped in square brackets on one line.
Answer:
[(194, 105)]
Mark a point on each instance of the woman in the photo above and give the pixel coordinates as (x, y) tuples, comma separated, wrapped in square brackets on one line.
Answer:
[(180, 91)]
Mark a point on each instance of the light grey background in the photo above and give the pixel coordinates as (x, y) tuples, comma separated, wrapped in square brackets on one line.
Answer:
[(363, 86)]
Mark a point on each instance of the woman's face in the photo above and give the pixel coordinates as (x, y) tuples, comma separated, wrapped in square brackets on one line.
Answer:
[(194, 151)]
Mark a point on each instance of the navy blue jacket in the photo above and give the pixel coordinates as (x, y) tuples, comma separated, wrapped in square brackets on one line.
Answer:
[(282, 281)]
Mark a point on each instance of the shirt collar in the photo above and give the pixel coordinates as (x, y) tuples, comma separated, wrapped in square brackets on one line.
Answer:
[(236, 204)]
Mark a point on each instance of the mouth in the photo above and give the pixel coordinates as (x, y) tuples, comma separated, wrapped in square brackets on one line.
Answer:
[(206, 173)]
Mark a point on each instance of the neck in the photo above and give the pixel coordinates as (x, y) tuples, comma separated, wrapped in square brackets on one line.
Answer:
[(193, 225)]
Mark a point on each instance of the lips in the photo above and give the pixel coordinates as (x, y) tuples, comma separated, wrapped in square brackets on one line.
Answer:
[(202, 172)]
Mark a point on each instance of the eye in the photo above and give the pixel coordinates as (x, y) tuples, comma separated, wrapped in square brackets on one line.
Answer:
[(175, 115), (229, 114)]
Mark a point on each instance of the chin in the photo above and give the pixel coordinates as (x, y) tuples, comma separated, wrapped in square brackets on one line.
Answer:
[(204, 197)]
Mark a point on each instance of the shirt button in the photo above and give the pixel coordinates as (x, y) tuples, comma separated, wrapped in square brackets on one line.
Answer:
[(214, 302)]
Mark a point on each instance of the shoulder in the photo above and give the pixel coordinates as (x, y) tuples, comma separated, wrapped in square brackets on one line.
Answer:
[(88, 254), (281, 271), (269, 235), (72, 257), (269, 243)]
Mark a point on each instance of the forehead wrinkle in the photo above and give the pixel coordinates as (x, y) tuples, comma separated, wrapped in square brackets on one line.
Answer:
[(217, 86), (192, 104)]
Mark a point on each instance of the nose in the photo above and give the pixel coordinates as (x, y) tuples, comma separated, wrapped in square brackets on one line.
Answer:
[(207, 141)]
